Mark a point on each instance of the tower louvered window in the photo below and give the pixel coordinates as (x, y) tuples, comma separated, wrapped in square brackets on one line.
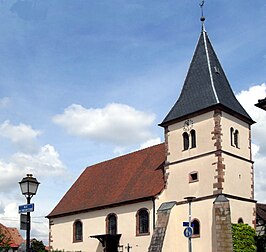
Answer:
[(185, 141), (193, 138), (234, 137), (189, 140)]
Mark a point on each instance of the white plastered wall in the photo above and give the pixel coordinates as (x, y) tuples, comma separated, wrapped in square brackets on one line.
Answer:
[(244, 210), (175, 239), (203, 125), (202, 211), (178, 185), (229, 121), (94, 224), (238, 177)]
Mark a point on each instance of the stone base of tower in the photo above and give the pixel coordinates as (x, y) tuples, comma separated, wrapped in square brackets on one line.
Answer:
[(222, 228)]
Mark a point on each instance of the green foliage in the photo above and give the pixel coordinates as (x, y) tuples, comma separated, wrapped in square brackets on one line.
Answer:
[(243, 238), (37, 246), (4, 242)]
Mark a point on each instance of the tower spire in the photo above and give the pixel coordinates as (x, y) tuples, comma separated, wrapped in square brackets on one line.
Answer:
[(206, 86), (202, 19)]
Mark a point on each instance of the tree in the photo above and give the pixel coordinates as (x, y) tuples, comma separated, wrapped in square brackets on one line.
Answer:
[(243, 238), (37, 246)]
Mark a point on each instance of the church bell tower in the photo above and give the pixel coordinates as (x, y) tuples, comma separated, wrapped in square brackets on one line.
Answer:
[(208, 153)]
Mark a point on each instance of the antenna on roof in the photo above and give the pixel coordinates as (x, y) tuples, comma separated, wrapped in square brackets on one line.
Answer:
[(202, 19)]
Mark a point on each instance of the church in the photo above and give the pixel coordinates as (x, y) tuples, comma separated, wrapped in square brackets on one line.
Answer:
[(183, 193)]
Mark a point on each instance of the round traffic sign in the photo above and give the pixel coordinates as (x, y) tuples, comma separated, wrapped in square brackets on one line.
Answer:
[(188, 232)]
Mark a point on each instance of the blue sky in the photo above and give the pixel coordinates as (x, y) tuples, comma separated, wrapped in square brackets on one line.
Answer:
[(72, 69)]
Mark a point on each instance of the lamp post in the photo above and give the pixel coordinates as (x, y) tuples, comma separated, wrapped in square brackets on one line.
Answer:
[(189, 200), (28, 186)]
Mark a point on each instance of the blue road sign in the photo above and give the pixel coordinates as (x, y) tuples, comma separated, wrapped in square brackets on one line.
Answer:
[(26, 208), (188, 232), (185, 224)]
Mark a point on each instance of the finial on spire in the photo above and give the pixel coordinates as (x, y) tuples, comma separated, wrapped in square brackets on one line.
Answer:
[(202, 19)]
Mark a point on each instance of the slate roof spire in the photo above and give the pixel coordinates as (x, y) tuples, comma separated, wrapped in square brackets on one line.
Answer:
[(206, 86)]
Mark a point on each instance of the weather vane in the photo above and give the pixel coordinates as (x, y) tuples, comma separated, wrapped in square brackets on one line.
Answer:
[(201, 6), (202, 19)]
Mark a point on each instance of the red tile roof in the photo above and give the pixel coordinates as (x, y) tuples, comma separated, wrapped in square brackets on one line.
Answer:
[(261, 211), (135, 176), (16, 236), (12, 234)]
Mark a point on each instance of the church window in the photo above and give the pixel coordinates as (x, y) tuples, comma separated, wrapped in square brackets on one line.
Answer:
[(196, 228), (185, 141), (231, 136), (142, 219), (193, 177), (111, 224), (236, 138), (240, 220), (193, 138), (77, 231)]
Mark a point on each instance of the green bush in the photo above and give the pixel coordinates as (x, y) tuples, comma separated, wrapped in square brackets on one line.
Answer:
[(243, 238), (37, 246)]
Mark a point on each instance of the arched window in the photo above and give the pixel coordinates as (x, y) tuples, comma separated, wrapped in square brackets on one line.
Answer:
[(236, 133), (142, 224), (232, 136), (196, 228), (111, 224), (240, 220), (185, 141), (193, 138), (77, 231)]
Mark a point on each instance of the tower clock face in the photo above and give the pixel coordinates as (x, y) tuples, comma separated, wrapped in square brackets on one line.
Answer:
[(188, 124)]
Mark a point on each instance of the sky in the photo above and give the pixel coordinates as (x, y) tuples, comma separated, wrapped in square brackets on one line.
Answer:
[(84, 81)]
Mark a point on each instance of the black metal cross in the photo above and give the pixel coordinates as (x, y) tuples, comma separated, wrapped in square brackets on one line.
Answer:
[(128, 247)]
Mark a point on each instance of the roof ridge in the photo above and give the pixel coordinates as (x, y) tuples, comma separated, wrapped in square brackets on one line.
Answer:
[(209, 66)]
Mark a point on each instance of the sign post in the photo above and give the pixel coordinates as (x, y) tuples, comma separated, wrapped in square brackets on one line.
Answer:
[(23, 222), (188, 230), (26, 208)]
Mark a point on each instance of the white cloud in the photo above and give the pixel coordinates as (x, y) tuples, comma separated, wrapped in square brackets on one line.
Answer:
[(118, 124), (248, 98), (150, 142), (45, 163), (22, 136), (260, 174)]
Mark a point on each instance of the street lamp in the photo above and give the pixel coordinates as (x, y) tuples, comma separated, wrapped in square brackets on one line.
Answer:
[(189, 200), (28, 186)]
